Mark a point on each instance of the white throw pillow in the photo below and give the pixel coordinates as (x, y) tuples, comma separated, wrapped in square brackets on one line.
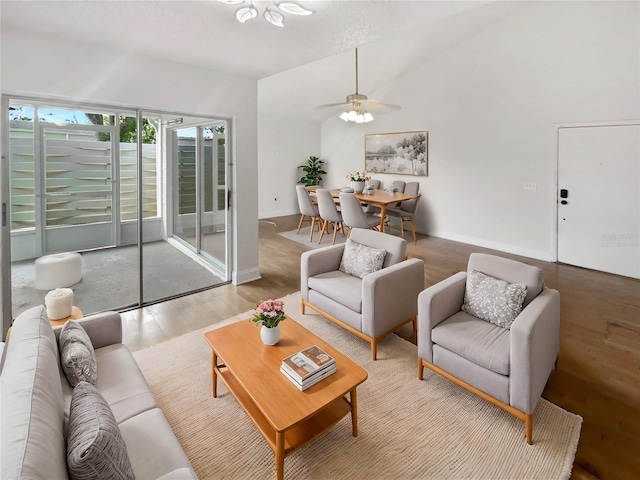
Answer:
[(496, 301), (359, 260)]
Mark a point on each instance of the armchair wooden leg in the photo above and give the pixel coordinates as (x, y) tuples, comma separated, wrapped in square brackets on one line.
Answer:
[(420, 369), (528, 424), (374, 349), (302, 306)]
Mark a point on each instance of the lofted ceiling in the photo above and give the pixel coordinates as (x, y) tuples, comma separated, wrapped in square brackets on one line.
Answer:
[(318, 49)]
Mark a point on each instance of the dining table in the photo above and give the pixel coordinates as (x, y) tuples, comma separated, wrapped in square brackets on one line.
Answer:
[(378, 198)]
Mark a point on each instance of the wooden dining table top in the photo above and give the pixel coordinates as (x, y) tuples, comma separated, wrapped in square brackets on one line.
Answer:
[(377, 197)]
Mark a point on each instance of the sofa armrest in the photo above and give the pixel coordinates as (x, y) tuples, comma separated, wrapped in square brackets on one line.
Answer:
[(103, 328), (390, 296), (435, 305), (315, 262), (535, 344)]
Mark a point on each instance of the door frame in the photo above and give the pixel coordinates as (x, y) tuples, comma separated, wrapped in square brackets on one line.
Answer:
[(557, 127)]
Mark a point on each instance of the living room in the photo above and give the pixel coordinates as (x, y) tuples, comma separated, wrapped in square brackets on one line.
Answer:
[(491, 99)]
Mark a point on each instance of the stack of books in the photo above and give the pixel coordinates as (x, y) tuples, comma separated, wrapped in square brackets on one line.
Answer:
[(308, 367)]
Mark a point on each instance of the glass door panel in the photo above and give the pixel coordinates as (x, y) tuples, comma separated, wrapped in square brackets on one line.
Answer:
[(185, 218), (213, 225)]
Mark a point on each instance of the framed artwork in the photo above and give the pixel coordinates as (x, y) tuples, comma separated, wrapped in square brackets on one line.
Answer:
[(404, 153)]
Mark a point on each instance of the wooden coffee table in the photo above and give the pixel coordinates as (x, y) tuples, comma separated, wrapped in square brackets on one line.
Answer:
[(286, 417)]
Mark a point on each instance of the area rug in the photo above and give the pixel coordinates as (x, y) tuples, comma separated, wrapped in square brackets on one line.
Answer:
[(303, 237), (409, 429)]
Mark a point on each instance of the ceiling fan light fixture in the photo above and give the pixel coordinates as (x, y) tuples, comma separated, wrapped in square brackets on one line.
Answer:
[(244, 14), (293, 8), (367, 117)]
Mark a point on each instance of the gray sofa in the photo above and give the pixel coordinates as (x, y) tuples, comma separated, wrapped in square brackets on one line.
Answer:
[(36, 399)]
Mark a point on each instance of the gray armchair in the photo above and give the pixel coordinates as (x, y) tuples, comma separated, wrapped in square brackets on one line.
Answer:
[(508, 367), (370, 307)]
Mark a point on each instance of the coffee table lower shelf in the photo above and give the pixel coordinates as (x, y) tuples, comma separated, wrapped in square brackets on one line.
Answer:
[(298, 435)]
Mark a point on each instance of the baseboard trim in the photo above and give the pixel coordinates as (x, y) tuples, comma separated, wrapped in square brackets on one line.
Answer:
[(245, 276), (501, 247)]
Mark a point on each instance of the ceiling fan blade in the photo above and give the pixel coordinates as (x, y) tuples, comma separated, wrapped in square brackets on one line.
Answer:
[(380, 107), (333, 105)]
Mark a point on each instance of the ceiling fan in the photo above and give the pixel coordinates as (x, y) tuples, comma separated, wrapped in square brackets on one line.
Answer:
[(358, 107)]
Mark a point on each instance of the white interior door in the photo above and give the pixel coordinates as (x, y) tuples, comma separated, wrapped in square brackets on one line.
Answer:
[(599, 200)]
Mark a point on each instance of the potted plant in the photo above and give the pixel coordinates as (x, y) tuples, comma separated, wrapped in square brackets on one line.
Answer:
[(313, 172), (358, 180), (269, 314)]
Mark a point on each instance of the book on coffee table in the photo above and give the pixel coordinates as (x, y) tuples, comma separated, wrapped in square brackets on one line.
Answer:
[(306, 363), (312, 380)]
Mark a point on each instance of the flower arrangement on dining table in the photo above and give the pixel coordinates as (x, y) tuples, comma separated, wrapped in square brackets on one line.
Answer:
[(358, 176), (269, 313)]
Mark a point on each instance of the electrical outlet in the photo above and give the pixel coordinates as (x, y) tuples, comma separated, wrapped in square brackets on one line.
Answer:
[(530, 186)]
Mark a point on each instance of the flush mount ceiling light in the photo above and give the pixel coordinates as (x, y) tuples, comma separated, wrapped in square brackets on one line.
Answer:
[(248, 11)]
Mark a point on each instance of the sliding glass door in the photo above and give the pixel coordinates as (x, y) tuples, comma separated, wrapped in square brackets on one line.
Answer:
[(149, 218)]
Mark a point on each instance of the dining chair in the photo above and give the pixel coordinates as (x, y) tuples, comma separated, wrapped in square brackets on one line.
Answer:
[(307, 209), (375, 184), (329, 213), (352, 214), (407, 209)]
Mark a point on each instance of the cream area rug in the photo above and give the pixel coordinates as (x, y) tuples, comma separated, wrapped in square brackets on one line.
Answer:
[(303, 237), (409, 429)]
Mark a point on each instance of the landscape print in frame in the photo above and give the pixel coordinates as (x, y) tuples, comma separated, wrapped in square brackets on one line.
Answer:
[(403, 153)]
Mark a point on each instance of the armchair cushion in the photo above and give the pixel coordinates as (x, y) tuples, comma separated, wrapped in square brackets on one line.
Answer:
[(359, 260), (494, 300), (476, 340), (341, 287)]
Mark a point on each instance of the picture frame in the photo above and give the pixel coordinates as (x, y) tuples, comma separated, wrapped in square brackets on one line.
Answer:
[(401, 153)]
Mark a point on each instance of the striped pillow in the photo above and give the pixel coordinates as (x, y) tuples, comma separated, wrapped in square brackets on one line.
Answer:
[(95, 448), (77, 355)]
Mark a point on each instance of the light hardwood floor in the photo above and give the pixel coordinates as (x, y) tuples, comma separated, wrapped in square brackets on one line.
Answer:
[(598, 374)]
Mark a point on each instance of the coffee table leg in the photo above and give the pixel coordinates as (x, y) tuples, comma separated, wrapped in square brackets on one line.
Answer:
[(214, 377), (354, 411), (279, 455)]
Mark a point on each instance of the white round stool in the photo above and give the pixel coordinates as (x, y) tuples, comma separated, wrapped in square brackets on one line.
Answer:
[(58, 270)]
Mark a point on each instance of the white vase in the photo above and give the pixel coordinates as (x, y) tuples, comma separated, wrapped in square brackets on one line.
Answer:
[(358, 187), (270, 336)]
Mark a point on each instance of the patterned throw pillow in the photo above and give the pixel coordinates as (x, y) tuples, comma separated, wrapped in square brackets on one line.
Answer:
[(497, 301), (77, 355), (359, 260), (95, 448)]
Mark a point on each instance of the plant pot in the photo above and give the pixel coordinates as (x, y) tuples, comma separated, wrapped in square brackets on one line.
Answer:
[(358, 187), (270, 336)]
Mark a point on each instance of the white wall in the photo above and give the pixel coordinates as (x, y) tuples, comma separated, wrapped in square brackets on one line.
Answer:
[(491, 105), (50, 67), (283, 145)]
